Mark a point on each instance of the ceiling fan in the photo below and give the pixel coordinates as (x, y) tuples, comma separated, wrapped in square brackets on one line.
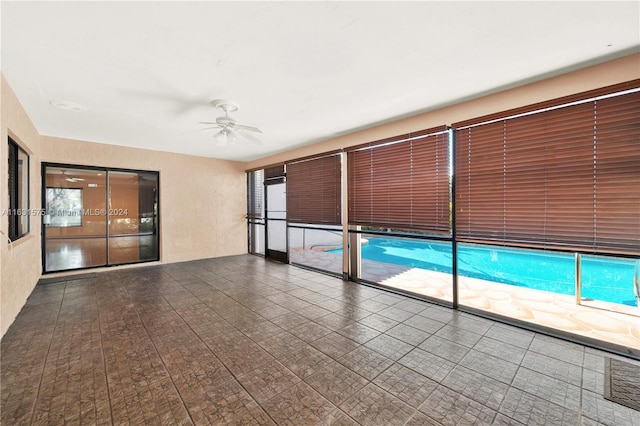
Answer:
[(230, 131)]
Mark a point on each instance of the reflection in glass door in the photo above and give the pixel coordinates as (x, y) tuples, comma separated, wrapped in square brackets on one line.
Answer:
[(132, 236), (98, 217), (276, 220), (75, 221)]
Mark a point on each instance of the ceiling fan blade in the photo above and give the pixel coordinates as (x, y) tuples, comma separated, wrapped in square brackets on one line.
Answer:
[(250, 138), (247, 128), (200, 130), (208, 122), (182, 102)]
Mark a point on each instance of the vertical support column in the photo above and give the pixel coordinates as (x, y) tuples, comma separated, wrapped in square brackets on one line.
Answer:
[(636, 282), (266, 217), (578, 278), (355, 251), (344, 205), (248, 179), (107, 216), (452, 197)]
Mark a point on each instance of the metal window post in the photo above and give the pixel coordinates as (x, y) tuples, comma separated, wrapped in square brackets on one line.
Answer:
[(578, 278)]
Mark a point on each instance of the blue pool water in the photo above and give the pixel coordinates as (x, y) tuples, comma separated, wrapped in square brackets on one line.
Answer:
[(606, 279)]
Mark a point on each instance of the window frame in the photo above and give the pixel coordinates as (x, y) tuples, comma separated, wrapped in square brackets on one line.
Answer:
[(18, 207)]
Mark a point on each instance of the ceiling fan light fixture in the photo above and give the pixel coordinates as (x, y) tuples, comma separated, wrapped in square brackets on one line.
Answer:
[(231, 137), (221, 138), (225, 137)]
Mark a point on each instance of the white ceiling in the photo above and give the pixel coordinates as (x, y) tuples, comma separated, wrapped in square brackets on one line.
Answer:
[(301, 71)]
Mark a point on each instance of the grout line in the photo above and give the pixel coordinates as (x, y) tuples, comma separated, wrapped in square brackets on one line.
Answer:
[(104, 357), (44, 364)]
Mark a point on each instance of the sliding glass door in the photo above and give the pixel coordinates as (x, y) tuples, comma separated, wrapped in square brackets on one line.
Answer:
[(276, 222), (75, 221), (98, 217)]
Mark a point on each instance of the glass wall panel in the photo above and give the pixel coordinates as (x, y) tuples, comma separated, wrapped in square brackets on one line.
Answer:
[(419, 266), (316, 248), (132, 217), (277, 231), (610, 283), (276, 222), (148, 212), (508, 281), (256, 238), (540, 287), (75, 221)]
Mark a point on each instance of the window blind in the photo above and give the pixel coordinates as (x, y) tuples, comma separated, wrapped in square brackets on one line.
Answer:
[(401, 182), (567, 175), (313, 190), (255, 194), (13, 189), (274, 175)]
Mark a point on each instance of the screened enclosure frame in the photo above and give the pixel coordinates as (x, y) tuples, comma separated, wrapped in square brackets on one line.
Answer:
[(610, 113), (584, 147)]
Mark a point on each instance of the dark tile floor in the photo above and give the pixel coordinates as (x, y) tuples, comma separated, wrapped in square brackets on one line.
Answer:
[(240, 340)]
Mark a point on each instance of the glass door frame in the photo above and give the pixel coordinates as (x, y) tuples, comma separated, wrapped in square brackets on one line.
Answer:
[(106, 170), (277, 255)]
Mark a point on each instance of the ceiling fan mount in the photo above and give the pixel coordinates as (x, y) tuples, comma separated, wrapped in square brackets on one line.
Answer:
[(225, 105)]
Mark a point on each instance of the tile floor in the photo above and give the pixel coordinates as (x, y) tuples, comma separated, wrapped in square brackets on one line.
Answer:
[(240, 340)]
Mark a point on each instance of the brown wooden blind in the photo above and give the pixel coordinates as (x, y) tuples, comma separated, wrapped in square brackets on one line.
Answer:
[(255, 194), (566, 176), (313, 190), (401, 182), (274, 172), (617, 184)]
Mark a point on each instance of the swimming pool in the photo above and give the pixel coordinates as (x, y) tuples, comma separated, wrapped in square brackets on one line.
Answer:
[(606, 279)]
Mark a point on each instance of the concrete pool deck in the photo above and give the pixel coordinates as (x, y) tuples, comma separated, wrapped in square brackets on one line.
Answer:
[(607, 322)]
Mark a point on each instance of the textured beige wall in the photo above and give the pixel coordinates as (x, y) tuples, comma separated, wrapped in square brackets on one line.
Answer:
[(593, 77), (202, 200), (20, 260)]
